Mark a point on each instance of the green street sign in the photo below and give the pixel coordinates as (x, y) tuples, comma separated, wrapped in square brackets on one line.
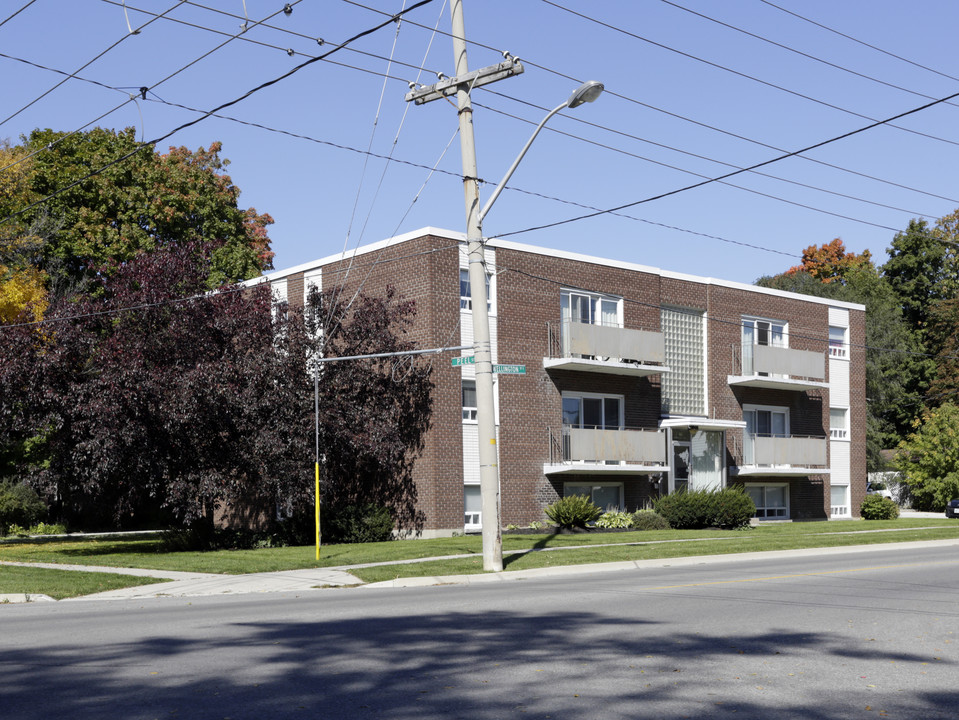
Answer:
[(465, 360), (509, 369)]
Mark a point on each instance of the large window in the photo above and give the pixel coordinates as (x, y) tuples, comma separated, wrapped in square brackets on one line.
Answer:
[(760, 332), (684, 388), (772, 501), (839, 501), (763, 422), (593, 412), (602, 495), (590, 308)]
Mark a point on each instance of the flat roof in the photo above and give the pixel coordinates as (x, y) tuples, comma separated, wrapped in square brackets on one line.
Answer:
[(549, 252)]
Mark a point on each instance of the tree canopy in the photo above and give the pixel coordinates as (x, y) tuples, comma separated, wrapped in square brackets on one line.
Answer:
[(929, 458), (75, 205), (154, 393), (830, 262)]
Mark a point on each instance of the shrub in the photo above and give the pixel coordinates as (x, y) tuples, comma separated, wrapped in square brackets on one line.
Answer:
[(19, 505), (725, 508), (615, 519), (877, 507), (649, 520), (573, 511), (357, 524)]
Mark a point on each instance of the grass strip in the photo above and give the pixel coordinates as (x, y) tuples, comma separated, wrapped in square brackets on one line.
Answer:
[(152, 554), (60, 584), (738, 543)]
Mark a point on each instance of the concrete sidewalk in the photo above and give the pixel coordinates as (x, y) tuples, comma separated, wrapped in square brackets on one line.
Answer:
[(191, 584)]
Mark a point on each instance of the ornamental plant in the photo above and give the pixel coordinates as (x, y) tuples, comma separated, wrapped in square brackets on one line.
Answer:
[(877, 507), (573, 511)]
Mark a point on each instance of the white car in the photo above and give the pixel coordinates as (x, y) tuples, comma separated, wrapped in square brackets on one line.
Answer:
[(879, 489)]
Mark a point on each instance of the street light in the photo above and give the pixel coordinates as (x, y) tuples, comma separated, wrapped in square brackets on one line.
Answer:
[(585, 93), (482, 348)]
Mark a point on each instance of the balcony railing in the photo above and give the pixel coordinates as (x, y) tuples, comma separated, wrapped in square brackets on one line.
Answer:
[(780, 455), (780, 368), (605, 348), (598, 451)]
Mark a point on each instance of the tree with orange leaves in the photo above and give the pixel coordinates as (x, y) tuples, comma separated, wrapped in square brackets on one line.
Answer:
[(830, 262)]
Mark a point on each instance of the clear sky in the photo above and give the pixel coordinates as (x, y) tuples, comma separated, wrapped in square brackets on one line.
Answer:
[(690, 96)]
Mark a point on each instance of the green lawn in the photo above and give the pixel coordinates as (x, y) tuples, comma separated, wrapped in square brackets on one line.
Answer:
[(60, 584), (648, 544)]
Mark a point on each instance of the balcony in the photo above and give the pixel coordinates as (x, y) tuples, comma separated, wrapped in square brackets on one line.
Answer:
[(778, 368), (586, 451), (605, 349), (784, 456)]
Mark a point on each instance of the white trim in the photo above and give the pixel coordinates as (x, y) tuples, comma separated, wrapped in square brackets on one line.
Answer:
[(551, 252)]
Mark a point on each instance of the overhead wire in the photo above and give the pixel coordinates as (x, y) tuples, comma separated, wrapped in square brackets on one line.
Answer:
[(207, 114), (808, 56), (742, 74), (16, 12), (713, 160), (738, 172), (88, 63)]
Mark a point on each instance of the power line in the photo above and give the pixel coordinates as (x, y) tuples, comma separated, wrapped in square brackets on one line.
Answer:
[(738, 172), (742, 74), (87, 64), (16, 12), (207, 114), (860, 42), (798, 52)]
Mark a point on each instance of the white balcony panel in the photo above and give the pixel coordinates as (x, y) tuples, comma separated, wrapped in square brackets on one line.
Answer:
[(647, 446), (613, 342)]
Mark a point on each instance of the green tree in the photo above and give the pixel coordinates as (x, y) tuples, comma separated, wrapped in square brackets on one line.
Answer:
[(922, 267), (141, 203), (929, 458)]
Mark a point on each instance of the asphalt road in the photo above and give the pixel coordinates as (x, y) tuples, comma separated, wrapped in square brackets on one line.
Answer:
[(856, 635)]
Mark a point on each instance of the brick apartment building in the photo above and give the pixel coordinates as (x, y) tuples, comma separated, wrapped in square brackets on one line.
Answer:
[(638, 381)]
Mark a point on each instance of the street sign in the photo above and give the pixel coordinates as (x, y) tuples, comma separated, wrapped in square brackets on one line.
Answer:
[(465, 360), (509, 369)]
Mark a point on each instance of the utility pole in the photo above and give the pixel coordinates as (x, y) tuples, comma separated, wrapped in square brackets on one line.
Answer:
[(482, 349)]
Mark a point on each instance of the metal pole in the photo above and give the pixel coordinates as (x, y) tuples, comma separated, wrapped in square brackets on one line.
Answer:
[(316, 479), (482, 349)]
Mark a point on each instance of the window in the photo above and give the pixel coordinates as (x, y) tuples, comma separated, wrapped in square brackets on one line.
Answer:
[(837, 342), (763, 422), (764, 332), (839, 500), (469, 400), (684, 389), (602, 495), (473, 504), (838, 427), (466, 302), (772, 501), (590, 308), (593, 412), (760, 332)]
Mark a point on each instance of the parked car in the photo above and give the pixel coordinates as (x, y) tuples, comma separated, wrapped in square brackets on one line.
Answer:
[(879, 489), (952, 508)]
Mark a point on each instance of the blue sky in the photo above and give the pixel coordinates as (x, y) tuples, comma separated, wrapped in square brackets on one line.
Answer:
[(687, 99)]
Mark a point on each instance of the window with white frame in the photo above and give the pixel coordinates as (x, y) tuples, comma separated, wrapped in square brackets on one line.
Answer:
[(839, 501), (772, 500), (473, 505), (684, 388), (469, 401), (757, 331), (466, 299), (591, 308), (838, 423), (837, 343), (763, 422), (603, 495)]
